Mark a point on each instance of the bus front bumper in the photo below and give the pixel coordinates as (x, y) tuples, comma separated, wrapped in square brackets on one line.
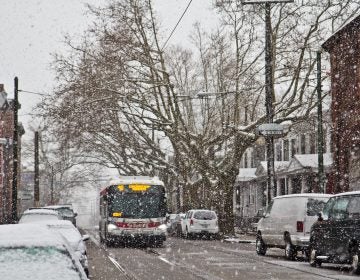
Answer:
[(136, 234)]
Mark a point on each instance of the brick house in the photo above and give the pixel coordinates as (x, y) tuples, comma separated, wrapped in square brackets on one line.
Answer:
[(344, 50), (6, 154)]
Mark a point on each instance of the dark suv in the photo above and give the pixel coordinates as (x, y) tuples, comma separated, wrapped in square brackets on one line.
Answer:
[(335, 237), (65, 211)]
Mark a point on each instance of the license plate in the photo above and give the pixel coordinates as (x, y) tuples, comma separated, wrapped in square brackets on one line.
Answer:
[(204, 225), (136, 225)]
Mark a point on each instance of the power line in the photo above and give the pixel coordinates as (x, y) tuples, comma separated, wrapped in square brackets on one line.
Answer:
[(172, 32), (37, 93)]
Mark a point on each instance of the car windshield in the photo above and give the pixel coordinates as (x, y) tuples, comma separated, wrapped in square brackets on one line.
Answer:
[(29, 218), (40, 263), (65, 212), (136, 205), (343, 207), (204, 215)]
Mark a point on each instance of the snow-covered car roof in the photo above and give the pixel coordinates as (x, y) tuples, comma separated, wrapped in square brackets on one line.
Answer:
[(28, 235), (66, 229), (69, 206), (41, 211), (57, 223), (347, 193), (319, 195)]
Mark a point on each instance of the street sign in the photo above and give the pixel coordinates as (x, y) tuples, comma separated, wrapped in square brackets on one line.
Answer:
[(270, 129)]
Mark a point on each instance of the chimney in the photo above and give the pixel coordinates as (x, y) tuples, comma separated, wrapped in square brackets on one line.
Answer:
[(2, 89)]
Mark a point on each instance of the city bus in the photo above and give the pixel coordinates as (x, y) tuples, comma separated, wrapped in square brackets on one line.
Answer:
[(133, 209)]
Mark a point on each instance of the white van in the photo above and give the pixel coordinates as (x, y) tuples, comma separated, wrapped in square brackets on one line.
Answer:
[(287, 221)]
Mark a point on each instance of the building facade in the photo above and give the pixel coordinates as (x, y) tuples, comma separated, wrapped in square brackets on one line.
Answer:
[(344, 50), (6, 155), (296, 168)]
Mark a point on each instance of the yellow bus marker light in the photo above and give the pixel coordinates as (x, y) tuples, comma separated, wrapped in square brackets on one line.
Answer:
[(139, 188), (120, 187), (117, 214)]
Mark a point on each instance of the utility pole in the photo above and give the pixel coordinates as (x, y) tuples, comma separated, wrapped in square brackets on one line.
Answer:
[(269, 94), (321, 174), (269, 91), (14, 216), (52, 186), (36, 169)]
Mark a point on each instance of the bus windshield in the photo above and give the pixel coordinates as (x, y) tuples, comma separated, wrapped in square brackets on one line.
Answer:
[(137, 205)]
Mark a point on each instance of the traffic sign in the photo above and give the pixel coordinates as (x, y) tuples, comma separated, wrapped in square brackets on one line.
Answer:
[(270, 129)]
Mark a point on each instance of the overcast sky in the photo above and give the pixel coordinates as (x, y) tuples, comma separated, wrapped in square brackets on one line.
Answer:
[(33, 29)]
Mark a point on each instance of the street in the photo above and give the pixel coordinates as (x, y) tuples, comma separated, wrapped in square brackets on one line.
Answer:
[(201, 259)]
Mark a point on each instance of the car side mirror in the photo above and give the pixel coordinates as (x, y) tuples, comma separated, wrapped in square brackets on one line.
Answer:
[(320, 217), (75, 214), (85, 237)]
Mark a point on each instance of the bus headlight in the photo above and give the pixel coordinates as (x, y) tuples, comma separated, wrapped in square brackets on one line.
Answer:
[(111, 227)]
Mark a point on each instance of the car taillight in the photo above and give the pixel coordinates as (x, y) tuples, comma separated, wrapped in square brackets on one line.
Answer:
[(122, 225), (154, 224), (299, 226), (191, 222)]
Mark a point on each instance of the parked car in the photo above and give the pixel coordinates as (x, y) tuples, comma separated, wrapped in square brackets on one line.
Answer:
[(335, 237), (65, 211), (31, 251), (287, 221), (255, 220), (200, 222), (179, 224), (74, 238), (170, 223), (38, 214)]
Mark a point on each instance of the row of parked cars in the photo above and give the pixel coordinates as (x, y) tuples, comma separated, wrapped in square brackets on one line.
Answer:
[(45, 244), (326, 228), (195, 222)]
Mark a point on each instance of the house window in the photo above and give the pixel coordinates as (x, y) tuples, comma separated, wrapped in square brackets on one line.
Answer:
[(245, 160), (286, 150), (293, 147), (282, 187), (303, 144), (278, 151), (252, 160), (312, 143)]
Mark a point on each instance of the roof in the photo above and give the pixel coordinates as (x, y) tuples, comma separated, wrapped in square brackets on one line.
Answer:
[(353, 22), (299, 162), (304, 195), (311, 160), (279, 167), (40, 211), (246, 174), (28, 235), (57, 223), (69, 206), (347, 193)]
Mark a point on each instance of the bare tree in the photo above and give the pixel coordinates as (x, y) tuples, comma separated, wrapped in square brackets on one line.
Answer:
[(123, 102)]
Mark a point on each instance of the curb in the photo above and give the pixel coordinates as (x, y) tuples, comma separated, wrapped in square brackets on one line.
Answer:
[(234, 240)]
